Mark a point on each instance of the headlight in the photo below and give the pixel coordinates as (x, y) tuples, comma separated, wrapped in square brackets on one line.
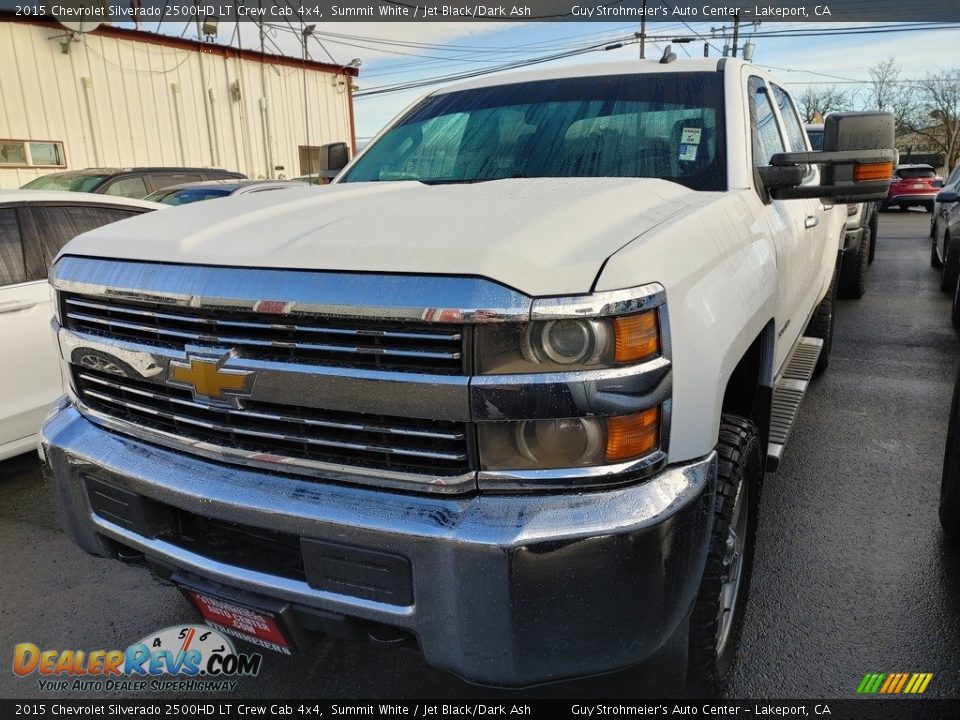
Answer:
[(567, 344), (568, 442)]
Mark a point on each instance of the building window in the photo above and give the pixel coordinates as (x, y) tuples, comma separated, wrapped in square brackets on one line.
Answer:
[(27, 153), (309, 159)]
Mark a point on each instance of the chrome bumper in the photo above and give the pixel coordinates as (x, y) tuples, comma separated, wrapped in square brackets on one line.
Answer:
[(507, 590)]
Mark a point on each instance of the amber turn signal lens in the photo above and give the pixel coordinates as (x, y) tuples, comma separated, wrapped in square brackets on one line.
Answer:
[(636, 337), (632, 436), (872, 171)]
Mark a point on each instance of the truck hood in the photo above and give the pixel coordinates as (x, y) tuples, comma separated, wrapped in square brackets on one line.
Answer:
[(542, 236)]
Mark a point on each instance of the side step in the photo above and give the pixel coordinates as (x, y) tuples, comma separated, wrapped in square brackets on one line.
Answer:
[(788, 392)]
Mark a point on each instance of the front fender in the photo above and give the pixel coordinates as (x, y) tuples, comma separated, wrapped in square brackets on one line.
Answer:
[(719, 271)]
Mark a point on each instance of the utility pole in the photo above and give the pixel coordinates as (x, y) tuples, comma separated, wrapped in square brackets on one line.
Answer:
[(643, 31), (736, 31)]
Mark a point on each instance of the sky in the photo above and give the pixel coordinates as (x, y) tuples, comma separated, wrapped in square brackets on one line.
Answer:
[(387, 57)]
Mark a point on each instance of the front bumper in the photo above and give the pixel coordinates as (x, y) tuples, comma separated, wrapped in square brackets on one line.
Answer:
[(507, 590)]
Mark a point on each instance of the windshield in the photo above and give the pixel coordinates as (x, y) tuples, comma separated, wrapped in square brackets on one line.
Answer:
[(187, 195), (72, 182), (658, 125)]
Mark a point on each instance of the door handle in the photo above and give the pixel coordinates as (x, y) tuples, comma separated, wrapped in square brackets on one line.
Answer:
[(811, 221), (15, 305)]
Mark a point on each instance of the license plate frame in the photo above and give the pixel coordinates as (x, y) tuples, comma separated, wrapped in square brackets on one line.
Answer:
[(259, 626)]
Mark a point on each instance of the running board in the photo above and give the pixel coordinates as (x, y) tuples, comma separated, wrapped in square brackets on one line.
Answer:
[(788, 392)]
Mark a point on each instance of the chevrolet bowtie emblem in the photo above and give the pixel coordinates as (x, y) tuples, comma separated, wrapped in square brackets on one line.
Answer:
[(209, 382)]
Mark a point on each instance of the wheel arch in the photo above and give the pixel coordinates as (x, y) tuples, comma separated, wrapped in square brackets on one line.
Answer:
[(749, 389)]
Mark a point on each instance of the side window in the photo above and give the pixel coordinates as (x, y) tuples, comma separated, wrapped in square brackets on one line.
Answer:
[(791, 122), (763, 122), (162, 180), (12, 270), (55, 225), (130, 187)]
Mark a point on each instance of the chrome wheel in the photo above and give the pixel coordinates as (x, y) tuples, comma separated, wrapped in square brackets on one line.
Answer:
[(732, 567)]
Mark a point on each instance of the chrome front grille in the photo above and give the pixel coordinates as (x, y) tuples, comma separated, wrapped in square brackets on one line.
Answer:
[(286, 436), (393, 345)]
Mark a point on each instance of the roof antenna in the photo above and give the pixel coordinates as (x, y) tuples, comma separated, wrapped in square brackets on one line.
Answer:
[(668, 55)]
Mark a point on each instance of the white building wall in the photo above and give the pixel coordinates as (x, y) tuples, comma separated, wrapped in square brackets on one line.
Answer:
[(122, 102)]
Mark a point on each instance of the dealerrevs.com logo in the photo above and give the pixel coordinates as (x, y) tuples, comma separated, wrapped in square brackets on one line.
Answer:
[(178, 659)]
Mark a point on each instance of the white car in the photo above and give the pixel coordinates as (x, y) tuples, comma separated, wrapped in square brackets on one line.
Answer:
[(34, 225)]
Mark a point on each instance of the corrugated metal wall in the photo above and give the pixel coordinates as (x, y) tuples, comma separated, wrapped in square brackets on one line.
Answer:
[(116, 102)]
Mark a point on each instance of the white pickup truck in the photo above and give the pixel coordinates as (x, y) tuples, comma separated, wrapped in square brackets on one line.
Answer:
[(505, 391)]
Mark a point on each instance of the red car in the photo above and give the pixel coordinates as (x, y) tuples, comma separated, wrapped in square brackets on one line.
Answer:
[(913, 185)]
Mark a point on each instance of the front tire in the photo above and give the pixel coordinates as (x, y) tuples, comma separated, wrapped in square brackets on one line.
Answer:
[(821, 325), (874, 234), (950, 480), (955, 308), (717, 619), (948, 268), (853, 276)]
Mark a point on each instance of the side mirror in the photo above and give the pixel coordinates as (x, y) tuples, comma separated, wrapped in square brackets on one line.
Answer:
[(856, 162), (333, 158), (947, 196)]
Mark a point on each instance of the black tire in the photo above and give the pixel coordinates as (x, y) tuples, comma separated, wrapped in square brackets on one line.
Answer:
[(950, 481), (821, 325), (934, 257), (713, 642), (874, 234), (928, 207), (884, 207), (955, 306), (948, 268), (853, 271)]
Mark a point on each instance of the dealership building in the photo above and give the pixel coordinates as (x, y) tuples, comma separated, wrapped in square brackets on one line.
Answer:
[(117, 98)]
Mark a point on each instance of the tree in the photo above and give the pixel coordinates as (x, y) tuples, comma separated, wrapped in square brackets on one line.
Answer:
[(888, 92), (936, 117), (823, 100), (941, 101)]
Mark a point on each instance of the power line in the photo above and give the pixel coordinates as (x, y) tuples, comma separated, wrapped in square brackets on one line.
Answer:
[(384, 89)]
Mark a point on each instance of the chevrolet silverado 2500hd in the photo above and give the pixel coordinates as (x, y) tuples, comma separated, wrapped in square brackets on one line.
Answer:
[(505, 390)]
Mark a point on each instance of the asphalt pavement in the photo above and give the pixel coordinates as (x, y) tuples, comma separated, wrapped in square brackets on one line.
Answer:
[(851, 574)]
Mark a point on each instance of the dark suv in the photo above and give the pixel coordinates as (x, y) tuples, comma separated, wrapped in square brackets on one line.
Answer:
[(127, 182)]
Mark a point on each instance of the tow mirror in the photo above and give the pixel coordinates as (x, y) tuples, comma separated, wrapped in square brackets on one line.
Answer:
[(856, 163), (947, 196), (333, 158)]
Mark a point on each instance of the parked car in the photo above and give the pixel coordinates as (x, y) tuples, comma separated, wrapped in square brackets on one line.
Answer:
[(950, 479), (912, 186), (945, 243), (941, 209), (127, 182), (211, 189), (33, 227), (860, 235), (512, 409)]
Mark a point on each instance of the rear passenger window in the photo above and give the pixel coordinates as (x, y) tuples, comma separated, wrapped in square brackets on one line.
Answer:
[(791, 122), (131, 187), (162, 180), (12, 269), (54, 225), (763, 121)]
